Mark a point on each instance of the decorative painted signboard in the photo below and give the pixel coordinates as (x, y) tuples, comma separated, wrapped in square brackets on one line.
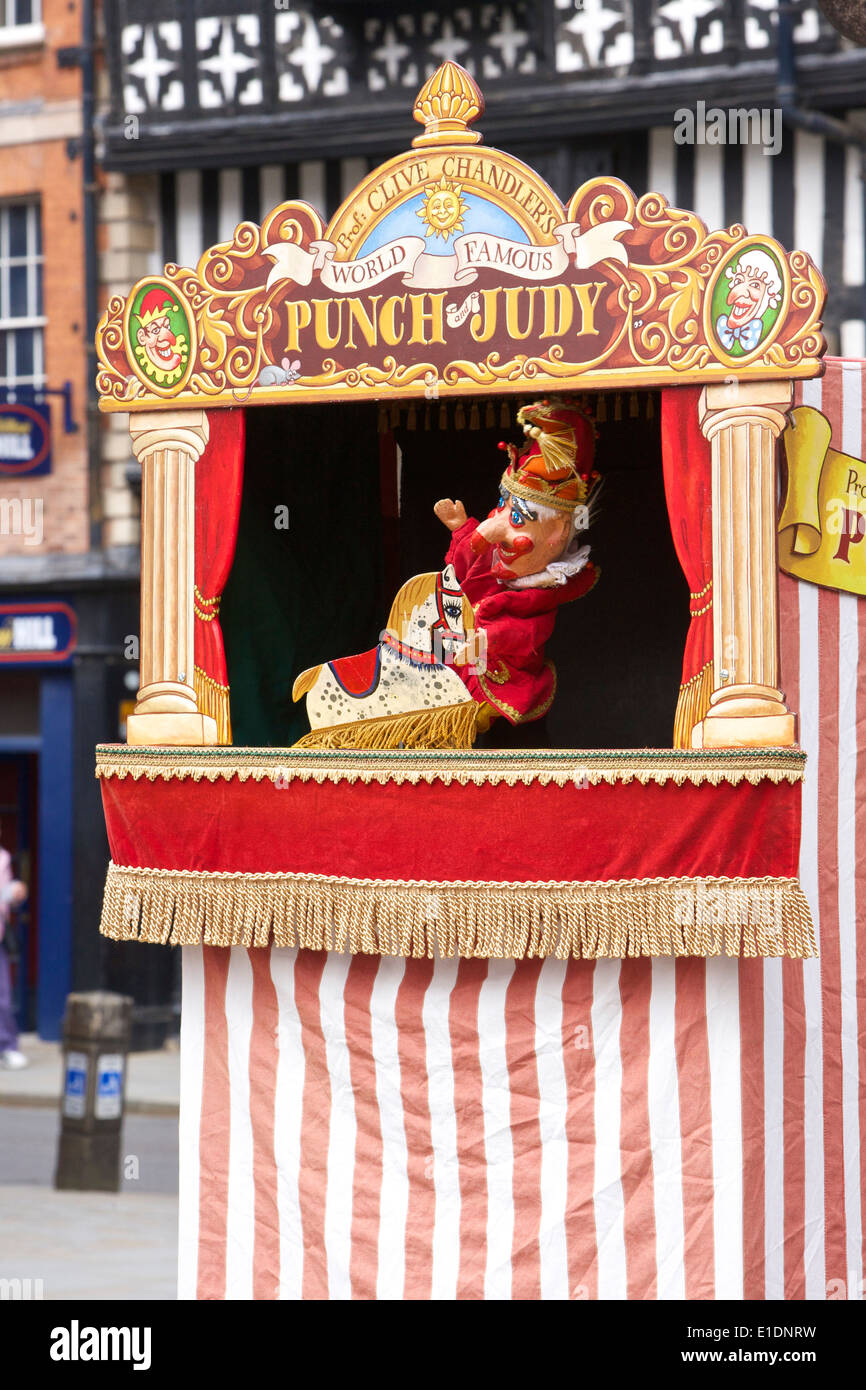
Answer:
[(454, 268), (25, 437), (32, 634)]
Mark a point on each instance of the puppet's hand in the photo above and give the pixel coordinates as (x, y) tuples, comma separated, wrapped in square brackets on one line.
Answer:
[(451, 514)]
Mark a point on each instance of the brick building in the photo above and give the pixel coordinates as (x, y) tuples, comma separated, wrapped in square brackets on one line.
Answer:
[(41, 243), (68, 553)]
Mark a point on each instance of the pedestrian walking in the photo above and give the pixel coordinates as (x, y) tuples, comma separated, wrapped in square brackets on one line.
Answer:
[(12, 893)]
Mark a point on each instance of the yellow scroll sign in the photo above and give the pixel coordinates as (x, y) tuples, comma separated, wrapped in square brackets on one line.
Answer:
[(822, 529)]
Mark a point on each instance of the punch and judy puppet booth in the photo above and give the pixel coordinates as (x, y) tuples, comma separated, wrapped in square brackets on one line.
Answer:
[(478, 927)]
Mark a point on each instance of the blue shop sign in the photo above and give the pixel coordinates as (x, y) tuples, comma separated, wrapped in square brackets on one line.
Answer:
[(33, 634), (25, 438), (109, 1086), (75, 1085)]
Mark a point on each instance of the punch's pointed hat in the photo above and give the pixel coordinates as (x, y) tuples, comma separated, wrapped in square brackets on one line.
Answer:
[(556, 469)]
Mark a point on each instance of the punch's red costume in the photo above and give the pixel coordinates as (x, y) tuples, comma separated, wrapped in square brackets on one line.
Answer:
[(518, 682), (505, 577)]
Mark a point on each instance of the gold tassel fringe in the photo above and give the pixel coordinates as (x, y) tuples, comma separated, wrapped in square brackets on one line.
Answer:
[(693, 702), (213, 699), (490, 921), (460, 767), (450, 726)]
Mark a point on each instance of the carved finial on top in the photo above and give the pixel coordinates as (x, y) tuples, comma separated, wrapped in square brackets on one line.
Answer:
[(446, 105)]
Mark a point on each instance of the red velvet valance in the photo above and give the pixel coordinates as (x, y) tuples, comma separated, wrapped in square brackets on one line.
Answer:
[(687, 463), (456, 833), (599, 855), (218, 484)]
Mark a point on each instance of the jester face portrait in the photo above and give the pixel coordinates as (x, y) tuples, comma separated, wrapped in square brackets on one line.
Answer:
[(161, 353)]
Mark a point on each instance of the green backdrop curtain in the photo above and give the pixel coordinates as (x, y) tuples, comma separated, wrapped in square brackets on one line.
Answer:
[(305, 584)]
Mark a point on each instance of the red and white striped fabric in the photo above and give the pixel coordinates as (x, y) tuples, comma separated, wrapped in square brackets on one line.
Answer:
[(366, 1128), (371, 1128)]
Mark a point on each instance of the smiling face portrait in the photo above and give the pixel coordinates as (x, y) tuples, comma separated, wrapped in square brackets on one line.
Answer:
[(747, 296), (746, 300), (159, 343), (159, 334)]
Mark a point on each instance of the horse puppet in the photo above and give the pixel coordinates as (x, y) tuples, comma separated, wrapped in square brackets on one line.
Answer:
[(405, 692)]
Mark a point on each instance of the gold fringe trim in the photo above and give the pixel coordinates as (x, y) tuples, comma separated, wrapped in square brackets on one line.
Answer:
[(213, 699), (463, 768), (692, 704), (450, 726), (490, 921)]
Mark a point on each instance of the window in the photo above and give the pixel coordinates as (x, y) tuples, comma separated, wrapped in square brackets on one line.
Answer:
[(21, 319), (14, 12)]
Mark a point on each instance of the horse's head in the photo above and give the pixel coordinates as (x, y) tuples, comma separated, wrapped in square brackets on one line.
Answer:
[(431, 614)]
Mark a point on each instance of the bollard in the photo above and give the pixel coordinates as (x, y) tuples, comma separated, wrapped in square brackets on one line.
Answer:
[(96, 1029)]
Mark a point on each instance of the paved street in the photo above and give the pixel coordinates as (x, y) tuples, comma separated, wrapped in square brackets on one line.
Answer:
[(90, 1245), (28, 1149)]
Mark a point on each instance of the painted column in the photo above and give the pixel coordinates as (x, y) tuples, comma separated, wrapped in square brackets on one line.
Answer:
[(742, 421), (167, 444)]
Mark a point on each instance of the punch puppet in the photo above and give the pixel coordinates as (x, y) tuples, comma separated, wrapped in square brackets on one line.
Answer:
[(465, 646)]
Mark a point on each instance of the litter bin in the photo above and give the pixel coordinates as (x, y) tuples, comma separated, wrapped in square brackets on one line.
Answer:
[(96, 1031)]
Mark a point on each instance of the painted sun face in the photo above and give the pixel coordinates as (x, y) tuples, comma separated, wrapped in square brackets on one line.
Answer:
[(443, 209)]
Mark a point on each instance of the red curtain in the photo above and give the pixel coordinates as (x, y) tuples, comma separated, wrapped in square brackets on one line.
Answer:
[(687, 463), (218, 481)]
